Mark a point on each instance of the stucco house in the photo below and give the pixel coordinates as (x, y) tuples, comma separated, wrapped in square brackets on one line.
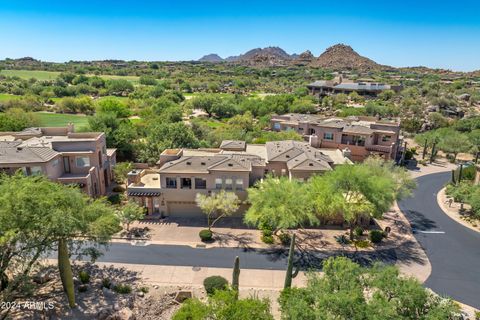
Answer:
[(170, 189), (361, 136), (61, 155)]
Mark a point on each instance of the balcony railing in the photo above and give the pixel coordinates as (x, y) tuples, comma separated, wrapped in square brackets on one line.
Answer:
[(378, 148)]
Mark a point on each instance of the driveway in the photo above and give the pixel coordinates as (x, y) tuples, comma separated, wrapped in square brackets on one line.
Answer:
[(453, 250)]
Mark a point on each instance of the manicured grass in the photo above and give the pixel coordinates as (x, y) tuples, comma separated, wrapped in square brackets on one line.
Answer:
[(27, 74), (51, 75), (61, 120), (5, 97)]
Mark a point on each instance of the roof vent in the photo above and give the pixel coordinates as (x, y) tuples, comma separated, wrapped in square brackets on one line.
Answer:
[(188, 163), (19, 148), (310, 164), (230, 164), (202, 163), (287, 156)]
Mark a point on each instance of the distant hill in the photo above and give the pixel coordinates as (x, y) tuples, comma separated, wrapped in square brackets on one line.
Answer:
[(343, 57), (337, 57), (213, 57)]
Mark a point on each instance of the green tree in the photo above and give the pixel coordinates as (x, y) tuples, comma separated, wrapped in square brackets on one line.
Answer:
[(224, 305), (119, 87), (454, 142), (349, 291), (114, 105), (16, 120), (38, 215), (217, 205), (279, 203), (129, 213), (121, 170)]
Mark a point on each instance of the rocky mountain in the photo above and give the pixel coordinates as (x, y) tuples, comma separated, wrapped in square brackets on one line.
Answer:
[(337, 57), (343, 57), (212, 57), (261, 54)]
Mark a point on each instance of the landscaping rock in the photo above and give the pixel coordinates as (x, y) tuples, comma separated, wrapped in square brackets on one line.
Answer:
[(43, 276), (123, 314), (108, 293), (104, 313)]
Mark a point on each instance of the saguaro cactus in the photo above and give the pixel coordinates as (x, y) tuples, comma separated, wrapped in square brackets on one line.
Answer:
[(236, 274), (453, 177), (66, 274), (290, 273)]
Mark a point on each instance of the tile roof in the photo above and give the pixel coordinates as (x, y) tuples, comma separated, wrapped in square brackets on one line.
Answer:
[(235, 144), (298, 155), (26, 155)]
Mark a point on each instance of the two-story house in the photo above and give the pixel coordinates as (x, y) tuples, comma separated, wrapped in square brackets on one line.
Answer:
[(171, 189), (61, 155), (362, 136)]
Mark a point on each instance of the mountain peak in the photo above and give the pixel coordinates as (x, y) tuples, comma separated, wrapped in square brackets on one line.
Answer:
[(212, 57), (343, 57)]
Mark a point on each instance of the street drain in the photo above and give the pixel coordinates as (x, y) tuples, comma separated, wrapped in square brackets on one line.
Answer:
[(196, 268), (200, 246)]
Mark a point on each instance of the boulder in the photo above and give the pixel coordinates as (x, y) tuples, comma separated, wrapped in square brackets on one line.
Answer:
[(123, 314), (104, 313), (181, 296)]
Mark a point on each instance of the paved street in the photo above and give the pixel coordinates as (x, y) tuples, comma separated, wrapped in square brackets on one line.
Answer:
[(267, 259), (453, 250)]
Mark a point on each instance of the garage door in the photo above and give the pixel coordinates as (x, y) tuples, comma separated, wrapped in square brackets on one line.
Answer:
[(184, 210)]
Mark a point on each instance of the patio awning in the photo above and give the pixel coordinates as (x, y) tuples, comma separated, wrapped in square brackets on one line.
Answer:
[(143, 194)]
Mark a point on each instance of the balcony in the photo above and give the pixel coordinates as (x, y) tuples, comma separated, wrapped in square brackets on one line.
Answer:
[(379, 148)]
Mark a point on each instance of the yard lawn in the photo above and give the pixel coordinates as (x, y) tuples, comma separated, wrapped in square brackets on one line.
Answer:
[(28, 74), (51, 75), (6, 96), (47, 119)]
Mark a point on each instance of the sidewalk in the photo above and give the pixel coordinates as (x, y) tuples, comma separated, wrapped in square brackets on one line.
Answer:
[(453, 211)]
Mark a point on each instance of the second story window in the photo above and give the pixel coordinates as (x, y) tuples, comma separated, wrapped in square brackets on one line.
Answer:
[(239, 184), (386, 138), (186, 183), (200, 183), (229, 184), (218, 183), (171, 183), (82, 162), (328, 136)]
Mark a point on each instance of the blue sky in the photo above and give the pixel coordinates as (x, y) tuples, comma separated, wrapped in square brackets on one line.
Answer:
[(398, 33)]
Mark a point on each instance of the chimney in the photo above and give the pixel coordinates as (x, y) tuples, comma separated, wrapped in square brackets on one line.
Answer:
[(134, 176), (314, 141)]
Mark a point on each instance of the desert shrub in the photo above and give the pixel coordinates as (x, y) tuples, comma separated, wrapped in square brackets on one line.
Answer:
[(342, 239), (114, 198), (106, 283), (205, 235), (267, 239), (143, 289), (122, 288), (267, 232), (118, 189), (285, 238), (376, 236), (215, 283), (358, 231), (362, 244), (84, 277)]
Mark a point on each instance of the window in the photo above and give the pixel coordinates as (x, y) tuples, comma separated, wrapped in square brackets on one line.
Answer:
[(82, 162), (239, 184), (284, 172), (229, 183), (171, 183), (186, 183), (386, 138), (55, 162), (218, 183), (200, 183), (35, 171), (328, 136)]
